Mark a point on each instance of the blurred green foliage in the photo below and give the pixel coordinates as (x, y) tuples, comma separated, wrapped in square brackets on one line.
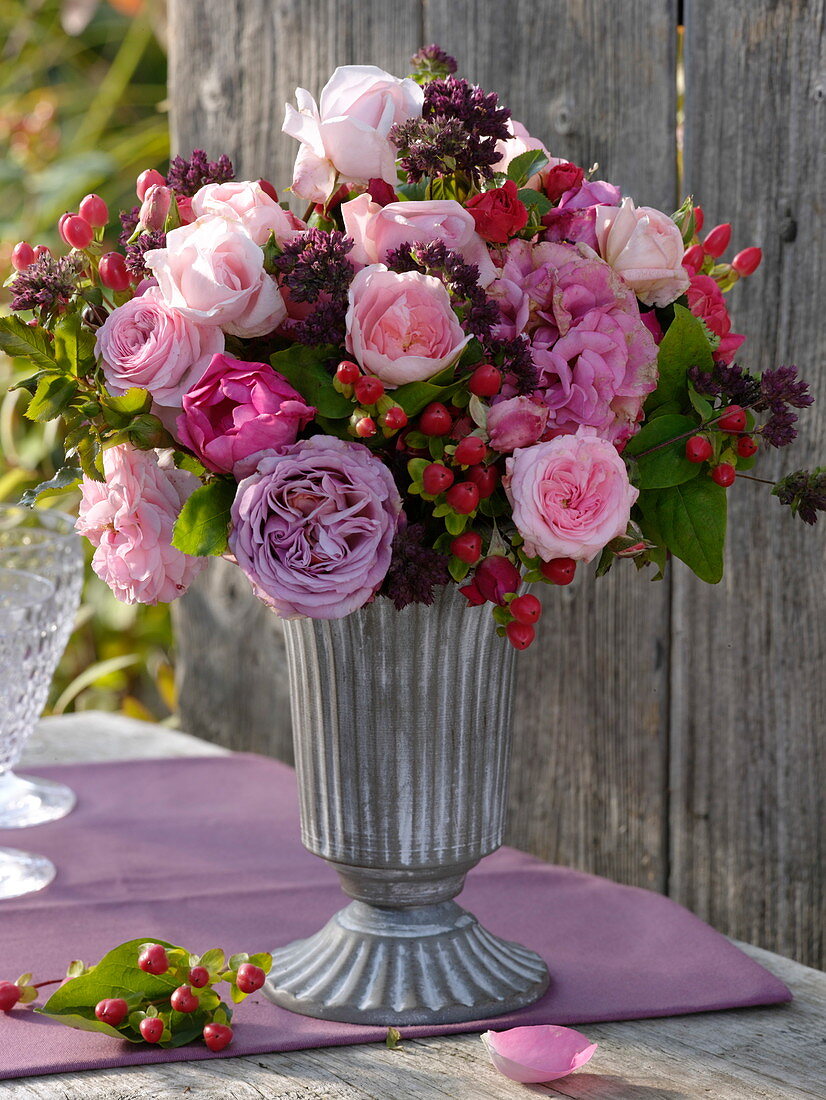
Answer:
[(80, 112)]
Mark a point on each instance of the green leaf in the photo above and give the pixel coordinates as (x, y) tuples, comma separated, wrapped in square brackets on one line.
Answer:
[(64, 479), (524, 166), (414, 396), (684, 345), (120, 411), (304, 369), (691, 520), (20, 340), (667, 465), (202, 527), (456, 523), (54, 393), (413, 192), (116, 975), (393, 1038), (535, 200), (458, 569), (74, 346), (213, 959)]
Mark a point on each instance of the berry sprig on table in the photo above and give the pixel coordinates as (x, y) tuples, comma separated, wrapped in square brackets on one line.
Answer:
[(147, 991)]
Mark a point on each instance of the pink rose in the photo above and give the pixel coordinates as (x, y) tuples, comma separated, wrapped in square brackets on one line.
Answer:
[(213, 273), (345, 134), (238, 409), (574, 218), (401, 327), (147, 344), (645, 248), (707, 301), (377, 229), (250, 204), (516, 422), (129, 518), (570, 496)]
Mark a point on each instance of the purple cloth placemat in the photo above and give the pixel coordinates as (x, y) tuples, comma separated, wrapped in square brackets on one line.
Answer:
[(205, 852)]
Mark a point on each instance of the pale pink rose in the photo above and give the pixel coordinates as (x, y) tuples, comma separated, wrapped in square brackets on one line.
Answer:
[(129, 518), (543, 1052), (516, 422), (375, 229), (345, 134), (146, 343), (645, 248), (247, 202), (212, 272), (401, 327), (520, 143), (570, 495)]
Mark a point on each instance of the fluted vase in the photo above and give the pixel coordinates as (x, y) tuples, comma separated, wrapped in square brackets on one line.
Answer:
[(401, 725)]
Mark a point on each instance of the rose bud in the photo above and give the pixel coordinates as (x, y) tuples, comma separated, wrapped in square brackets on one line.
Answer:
[(155, 207), (561, 178), (747, 262), (499, 213), (693, 259), (717, 240)]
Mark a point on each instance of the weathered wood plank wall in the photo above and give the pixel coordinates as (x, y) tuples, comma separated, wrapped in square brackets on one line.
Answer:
[(666, 735)]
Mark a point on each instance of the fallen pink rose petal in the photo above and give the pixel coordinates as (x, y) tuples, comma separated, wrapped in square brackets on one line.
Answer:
[(541, 1053)]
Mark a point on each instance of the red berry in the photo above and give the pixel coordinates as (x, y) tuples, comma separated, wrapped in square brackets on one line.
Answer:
[(368, 390), (526, 609), (61, 221), (745, 263), (268, 189), (436, 478), (22, 256), (394, 419), (724, 474), (151, 1028), (435, 420), (746, 446), (470, 451), (698, 449), (153, 959), (559, 570), (366, 427), (467, 547), (217, 1036), (485, 381), (94, 210), (717, 240), (520, 635), (112, 1011), (485, 478), (77, 232), (183, 999), (699, 218), (112, 271), (146, 180), (9, 996), (463, 498), (348, 372), (732, 420), (198, 977), (693, 258), (250, 977), (41, 251)]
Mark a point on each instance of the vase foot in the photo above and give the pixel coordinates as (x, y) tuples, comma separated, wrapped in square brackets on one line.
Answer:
[(432, 964)]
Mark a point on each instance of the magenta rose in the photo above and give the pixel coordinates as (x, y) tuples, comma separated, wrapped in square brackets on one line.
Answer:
[(376, 229), (596, 361), (574, 218), (516, 422), (212, 272), (250, 204), (345, 134), (401, 328), (313, 527), (570, 496), (146, 343), (129, 517), (645, 248), (239, 409), (494, 578)]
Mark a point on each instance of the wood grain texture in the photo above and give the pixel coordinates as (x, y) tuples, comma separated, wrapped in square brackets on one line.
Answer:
[(749, 1054), (749, 657), (588, 783)]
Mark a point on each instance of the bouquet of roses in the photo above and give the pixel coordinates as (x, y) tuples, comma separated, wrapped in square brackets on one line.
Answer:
[(470, 361)]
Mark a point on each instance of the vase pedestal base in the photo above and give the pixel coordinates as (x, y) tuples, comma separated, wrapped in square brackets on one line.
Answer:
[(428, 964)]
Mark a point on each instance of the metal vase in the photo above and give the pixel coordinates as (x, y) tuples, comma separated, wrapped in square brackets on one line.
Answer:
[(401, 724)]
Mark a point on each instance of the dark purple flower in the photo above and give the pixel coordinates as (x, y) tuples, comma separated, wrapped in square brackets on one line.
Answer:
[(129, 223), (314, 269), (185, 177), (47, 285), (431, 62), (136, 251), (804, 492), (415, 569)]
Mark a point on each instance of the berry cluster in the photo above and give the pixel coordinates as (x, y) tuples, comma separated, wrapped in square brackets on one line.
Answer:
[(375, 410), (723, 451), (701, 257)]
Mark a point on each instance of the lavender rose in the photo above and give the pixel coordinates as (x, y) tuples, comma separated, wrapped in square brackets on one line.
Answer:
[(313, 527), (146, 343)]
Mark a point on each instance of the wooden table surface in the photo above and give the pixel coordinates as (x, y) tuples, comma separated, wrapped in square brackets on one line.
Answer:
[(745, 1054)]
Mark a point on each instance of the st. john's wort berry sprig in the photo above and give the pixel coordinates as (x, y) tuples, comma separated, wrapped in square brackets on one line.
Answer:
[(149, 991)]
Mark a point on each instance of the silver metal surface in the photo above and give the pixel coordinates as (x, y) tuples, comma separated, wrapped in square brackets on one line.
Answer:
[(402, 733)]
